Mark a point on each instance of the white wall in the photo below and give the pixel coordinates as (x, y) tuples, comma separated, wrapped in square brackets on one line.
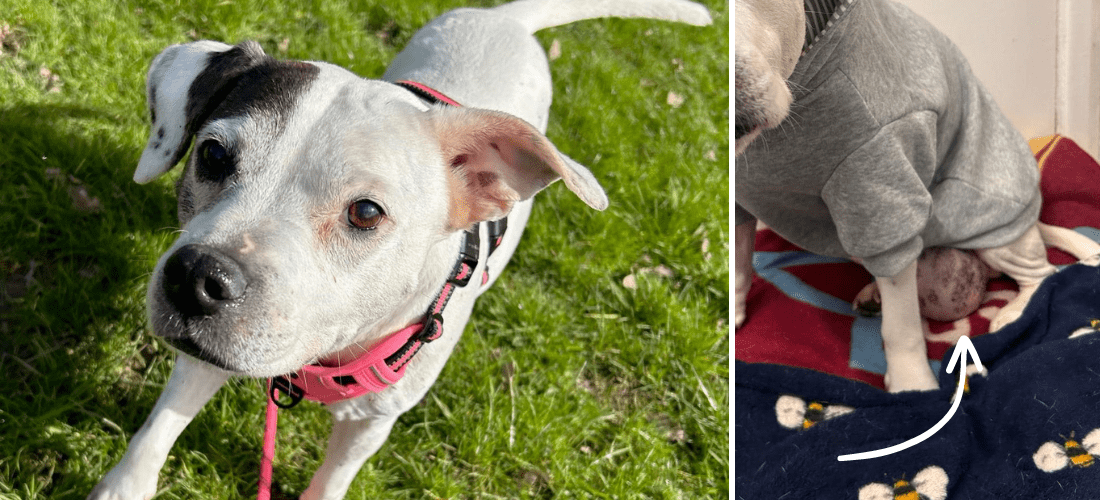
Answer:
[(1037, 58)]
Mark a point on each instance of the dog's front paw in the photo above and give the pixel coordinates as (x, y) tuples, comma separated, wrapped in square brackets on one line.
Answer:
[(117, 485)]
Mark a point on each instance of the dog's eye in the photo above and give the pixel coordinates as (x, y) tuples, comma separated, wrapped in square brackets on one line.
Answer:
[(365, 214), (215, 162)]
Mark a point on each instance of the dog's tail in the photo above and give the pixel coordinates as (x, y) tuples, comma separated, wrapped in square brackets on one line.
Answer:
[(541, 14)]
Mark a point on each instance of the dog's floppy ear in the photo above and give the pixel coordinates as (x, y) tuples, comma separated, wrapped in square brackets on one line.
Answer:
[(496, 159), (185, 83)]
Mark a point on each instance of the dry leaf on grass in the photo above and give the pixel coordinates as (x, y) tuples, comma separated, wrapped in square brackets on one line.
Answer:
[(78, 193), (661, 270), (555, 50), (675, 100), (630, 282), (50, 81), (83, 201), (11, 38)]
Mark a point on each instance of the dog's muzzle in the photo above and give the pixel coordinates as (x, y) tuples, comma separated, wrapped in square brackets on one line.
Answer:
[(201, 281), (747, 96)]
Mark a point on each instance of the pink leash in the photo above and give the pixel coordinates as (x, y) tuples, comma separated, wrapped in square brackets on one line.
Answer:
[(270, 423)]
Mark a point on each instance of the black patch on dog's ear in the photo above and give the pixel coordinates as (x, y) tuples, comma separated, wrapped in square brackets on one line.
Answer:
[(213, 85), (244, 80), (219, 77)]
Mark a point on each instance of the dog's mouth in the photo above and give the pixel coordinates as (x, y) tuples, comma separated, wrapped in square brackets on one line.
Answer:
[(744, 125), (235, 340), (747, 126), (189, 347), (750, 118)]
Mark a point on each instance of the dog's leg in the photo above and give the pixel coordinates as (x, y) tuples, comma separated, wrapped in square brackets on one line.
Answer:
[(191, 385), (744, 244), (352, 442), (1024, 260), (907, 366)]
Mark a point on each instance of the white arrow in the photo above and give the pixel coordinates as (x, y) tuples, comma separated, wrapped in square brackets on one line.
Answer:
[(964, 344)]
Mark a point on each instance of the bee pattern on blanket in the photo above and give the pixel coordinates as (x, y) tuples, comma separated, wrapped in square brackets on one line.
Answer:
[(929, 484), (1093, 327), (793, 412), (972, 371), (1053, 456)]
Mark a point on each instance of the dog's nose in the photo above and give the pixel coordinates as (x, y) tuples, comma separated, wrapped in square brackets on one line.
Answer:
[(201, 281)]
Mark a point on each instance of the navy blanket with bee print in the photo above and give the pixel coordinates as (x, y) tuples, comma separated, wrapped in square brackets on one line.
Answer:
[(1027, 428)]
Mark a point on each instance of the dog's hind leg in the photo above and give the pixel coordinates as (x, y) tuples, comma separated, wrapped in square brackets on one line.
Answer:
[(351, 443), (1024, 260), (191, 385), (907, 367)]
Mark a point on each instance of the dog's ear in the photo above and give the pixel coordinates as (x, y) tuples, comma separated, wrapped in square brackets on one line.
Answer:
[(496, 159), (185, 83)]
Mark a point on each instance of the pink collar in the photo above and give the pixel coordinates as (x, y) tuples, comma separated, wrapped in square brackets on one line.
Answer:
[(366, 374), (427, 93), (384, 362)]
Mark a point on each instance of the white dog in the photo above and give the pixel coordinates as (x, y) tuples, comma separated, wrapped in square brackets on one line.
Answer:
[(892, 146), (323, 212)]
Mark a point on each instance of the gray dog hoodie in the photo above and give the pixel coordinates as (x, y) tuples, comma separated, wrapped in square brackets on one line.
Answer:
[(892, 146)]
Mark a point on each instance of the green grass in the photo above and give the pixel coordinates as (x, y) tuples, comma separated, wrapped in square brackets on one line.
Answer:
[(567, 384)]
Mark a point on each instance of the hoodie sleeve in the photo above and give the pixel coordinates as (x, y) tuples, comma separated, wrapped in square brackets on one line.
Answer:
[(878, 197)]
